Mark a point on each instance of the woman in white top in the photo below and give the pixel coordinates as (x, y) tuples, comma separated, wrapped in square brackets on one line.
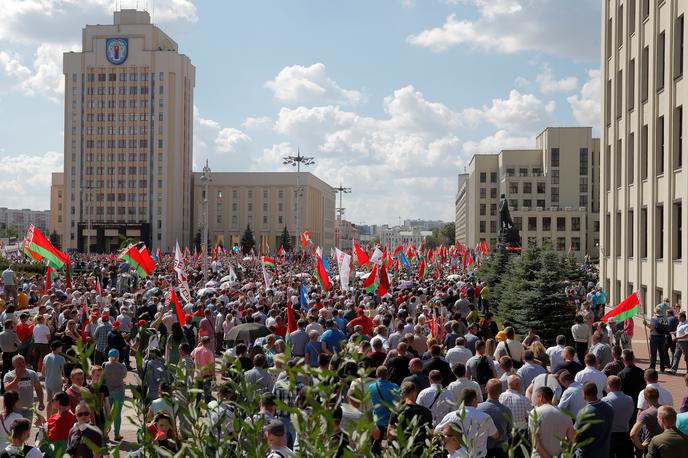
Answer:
[(7, 417), (20, 429)]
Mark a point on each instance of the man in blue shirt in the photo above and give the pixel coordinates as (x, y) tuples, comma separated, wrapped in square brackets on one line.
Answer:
[(333, 337), (383, 395), (598, 417)]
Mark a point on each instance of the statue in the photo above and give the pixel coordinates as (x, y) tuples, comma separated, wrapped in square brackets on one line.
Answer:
[(508, 232), (505, 221)]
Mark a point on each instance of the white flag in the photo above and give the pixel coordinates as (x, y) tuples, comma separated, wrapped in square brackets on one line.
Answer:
[(178, 260), (376, 256), (232, 275), (344, 265), (178, 266)]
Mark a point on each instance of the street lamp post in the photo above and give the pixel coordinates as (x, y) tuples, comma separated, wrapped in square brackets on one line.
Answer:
[(340, 211), (297, 161), (205, 178)]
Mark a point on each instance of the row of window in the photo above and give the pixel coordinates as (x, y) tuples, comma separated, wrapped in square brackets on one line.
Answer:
[(643, 163), (120, 143), (123, 76), (112, 130), (113, 117), (523, 172), (545, 223), (646, 231), (527, 188), (112, 104), (120, 90), (483, 177), (119, 157)]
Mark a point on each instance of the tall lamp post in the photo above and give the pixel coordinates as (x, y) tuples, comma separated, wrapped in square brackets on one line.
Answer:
[(205, 178), (340, 211), (296, 161)]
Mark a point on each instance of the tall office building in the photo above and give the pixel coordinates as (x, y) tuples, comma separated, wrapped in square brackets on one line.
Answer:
[(643, 183), (552, 191), (127, 138)]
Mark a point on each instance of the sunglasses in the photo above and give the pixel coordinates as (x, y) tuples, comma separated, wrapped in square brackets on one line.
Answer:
[(83, 414)]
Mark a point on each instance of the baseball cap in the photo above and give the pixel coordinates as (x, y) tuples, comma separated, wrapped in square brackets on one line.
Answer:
[(113, 353)]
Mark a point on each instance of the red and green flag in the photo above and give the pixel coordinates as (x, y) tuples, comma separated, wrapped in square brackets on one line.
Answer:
[(50, 277), (383, 288), (146, 258), (360, 256), (39, 247), (371, 283), (291, 321), (321, 274), (626, 309), (421, 270), (269, 262), (173, 303), (133, 257)]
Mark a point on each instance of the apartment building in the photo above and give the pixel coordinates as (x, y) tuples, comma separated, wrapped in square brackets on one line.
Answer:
[(643, 185), (552, 191)]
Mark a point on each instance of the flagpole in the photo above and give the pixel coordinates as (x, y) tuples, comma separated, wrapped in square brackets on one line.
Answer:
[(647, 338)]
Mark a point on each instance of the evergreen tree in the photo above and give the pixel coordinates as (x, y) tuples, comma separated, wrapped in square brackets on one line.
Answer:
[(247, 242), (55, 240), (285, 240), (517, 292), (492, 269), (553, 312), (570, 268)]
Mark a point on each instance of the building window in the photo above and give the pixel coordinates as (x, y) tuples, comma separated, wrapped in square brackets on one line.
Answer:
[(555, 195), (518, 223), (493, 226), (527, 188), (513, 204), (561, 243), (265, 219), (561, 224), (510, 172), (644, 143), (575, 244), (483, 193), (250, 194), (583, 201), (541, 203), (629, 233), (493, 193), (677, 232), (540, 187), (483, 226), (643, 232), (678, 137), (250, 206), (678, 47), (527, 203), (583, 161), (280, 219), (629, 158), (617, 164), (645, 75), (523, 172), (660, 61), (583, 184), (660, 146), (609, 38), (630, 89), (265, 206), (575, 223), (493, 209), (608, 103), (493, 177), (547, 223), (513, 188), (555, 177), (483, 209), (483, 177), (619, 26), (555, 157), (659, 232), (532, 223), (617, 234)]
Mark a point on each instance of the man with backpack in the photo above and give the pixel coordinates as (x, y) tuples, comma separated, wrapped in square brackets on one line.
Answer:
[(659, 330), (480, 367)]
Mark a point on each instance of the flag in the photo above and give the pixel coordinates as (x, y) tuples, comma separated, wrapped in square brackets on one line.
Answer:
[(50, 275), (404, 260), (39, 247), (267, 278), (321, 274), (344, 266), (133, 257), (281, 251), (305, 239), (484, 249), (146, 258), (269, 262), (371, 284), (360, 256), (398, 249), (178, 266), (84, 319), (232, 275), (303, 298), (384, 281), (514, 248), (99, 288), (172, 301), (319, 252), (376, 256), (291, 321), (626, 309), (421, 270)]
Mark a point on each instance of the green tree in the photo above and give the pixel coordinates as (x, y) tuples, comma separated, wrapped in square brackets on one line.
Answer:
[(443, 235), (55, 240), (491, 269), (516, 291), (247, 242), (553, 313), (285, 240)]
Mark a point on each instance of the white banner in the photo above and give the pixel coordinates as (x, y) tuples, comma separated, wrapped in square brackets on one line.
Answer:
[(344, 266), (178, 266)]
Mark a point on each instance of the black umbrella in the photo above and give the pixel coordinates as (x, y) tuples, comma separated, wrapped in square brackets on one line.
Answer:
[(247, 332)]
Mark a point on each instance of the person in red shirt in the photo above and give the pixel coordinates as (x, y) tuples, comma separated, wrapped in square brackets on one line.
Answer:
[(280, 328), (365, 322), (59, 424), (25, 327)]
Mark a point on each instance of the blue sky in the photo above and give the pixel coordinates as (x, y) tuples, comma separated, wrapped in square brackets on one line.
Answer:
[(392, 97)]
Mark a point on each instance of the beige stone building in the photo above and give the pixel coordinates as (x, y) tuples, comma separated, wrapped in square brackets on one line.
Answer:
[(643, 182), (552, 192), (127, 138), (265, 201), (20, 219)]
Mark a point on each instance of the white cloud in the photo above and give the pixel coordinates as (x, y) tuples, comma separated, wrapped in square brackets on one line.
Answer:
[(27, 178), (310, 86), (260, 122), (13, 67), (556, 27), (228, 140), (586, 105), (210, 138), (500, 140), (519, 113), (548, 83), (40, 21)]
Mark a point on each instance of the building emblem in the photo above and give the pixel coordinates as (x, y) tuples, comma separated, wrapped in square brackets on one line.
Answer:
[(116, 50)]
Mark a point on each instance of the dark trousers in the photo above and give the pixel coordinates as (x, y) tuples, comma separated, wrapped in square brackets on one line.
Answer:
[(496, 452), (658, 345), (99, 357), (681, 350), (620, 446), (39, 351), (581, 350)]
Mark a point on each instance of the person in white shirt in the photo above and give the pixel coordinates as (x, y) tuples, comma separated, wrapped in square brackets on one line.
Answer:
[(665, 397), (461, 384), (510, 347), (548, 380), (518, 404), (592, 374), (440, 401), (41, 340), (681, 339), (556, 353), (459, 353), (475, 426)]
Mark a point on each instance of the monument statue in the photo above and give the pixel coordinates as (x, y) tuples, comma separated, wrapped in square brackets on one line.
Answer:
[(508, 232)]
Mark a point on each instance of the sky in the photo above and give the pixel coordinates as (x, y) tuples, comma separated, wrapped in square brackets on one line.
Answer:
[(391, 97)]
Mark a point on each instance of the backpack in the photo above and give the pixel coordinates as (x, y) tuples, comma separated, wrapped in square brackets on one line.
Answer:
[(190, 336), (24, 452), (483, 370), (662, 326), (153, 341)]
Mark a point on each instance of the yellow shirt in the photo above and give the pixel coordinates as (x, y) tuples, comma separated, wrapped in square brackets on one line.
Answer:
[(22, 301), (501, 336)]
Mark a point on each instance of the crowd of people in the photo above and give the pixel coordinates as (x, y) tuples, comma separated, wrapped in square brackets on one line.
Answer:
[(426, 360)]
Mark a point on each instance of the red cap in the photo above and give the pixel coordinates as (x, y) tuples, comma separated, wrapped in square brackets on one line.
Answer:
[(142, 322), (116, 324)]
